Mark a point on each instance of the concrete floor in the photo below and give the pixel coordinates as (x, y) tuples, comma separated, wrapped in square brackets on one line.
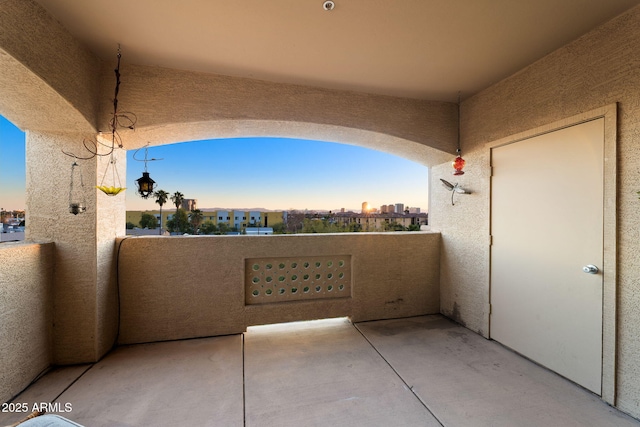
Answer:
[(422, 371)]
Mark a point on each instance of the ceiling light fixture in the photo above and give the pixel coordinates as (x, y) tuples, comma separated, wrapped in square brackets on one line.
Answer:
[(328, 5)]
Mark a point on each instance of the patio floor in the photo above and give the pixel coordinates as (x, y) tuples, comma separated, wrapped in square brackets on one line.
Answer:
[(422, 371)]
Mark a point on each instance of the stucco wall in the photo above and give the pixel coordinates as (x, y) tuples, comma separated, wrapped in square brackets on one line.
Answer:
[(110, 224), (175, 106), (84, 290), (26, 275), (185, 287), (161, 97), (47, 78), (600, 68)]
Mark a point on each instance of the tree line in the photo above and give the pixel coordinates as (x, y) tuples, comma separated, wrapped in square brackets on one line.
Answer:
[(184, 222)]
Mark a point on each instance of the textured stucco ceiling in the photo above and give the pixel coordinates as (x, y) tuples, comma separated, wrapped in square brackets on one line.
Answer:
[(428, 49)]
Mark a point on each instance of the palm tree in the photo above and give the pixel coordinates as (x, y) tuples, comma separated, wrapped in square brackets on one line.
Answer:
[(177, 200), (196, 218), (161, 198)]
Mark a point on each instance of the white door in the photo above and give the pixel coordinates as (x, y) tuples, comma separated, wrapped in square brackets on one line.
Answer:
[(546, 225)]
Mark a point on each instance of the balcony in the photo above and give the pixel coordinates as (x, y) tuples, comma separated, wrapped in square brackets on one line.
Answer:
[(187, 353), (419, 371), (68, 301)]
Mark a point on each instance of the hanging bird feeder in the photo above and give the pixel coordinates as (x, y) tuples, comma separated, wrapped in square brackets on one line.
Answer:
[(458, 164), (114, 176)]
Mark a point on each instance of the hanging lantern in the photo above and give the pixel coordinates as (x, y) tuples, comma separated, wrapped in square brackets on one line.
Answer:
[(458, 164), (145, 185), (76, 195)]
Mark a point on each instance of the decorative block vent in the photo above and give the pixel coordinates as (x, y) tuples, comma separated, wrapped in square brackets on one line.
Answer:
[(271, 280)]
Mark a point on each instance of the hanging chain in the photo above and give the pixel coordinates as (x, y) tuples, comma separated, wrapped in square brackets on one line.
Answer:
[(73, 165), (122, 119), (115, 176)]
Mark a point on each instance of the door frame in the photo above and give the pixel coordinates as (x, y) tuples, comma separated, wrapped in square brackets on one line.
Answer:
[(609, 270)]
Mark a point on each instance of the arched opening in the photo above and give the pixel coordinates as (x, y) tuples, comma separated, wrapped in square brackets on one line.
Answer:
[(332, 183), (60, 111)]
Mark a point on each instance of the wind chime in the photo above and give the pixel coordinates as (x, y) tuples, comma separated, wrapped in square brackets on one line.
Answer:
[(110, 183)]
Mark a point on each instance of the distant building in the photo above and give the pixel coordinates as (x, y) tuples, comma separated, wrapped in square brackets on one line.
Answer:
[(189, 204), (379, 221), (238, 220), (256, 218), (414, 210), (399, 208)]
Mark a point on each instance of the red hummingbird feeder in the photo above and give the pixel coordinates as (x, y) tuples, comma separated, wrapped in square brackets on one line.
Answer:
[(458, 164)]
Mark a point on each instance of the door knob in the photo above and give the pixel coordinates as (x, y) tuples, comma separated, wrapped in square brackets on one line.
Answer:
[(590, 269)]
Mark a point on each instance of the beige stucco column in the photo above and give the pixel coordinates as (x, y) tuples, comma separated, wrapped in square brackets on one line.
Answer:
[(84, 288)]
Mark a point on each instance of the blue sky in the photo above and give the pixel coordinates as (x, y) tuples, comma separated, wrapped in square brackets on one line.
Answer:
[(270, 173), (12, 166), (279, 174)]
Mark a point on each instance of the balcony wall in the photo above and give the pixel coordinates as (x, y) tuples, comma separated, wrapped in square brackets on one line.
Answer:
[(596, 70), (26, 281), (193, 286)]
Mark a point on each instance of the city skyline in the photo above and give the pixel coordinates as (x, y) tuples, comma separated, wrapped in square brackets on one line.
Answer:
[(268, 173)]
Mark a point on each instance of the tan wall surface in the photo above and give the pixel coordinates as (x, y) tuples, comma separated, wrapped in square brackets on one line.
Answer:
[(175, 106), (598, 69), (110, 224), (26, 281), (47, 78), (84, 289), (184, 287)]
